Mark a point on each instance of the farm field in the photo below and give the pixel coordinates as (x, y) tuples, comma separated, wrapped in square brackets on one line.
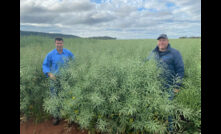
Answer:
[(110, 87)]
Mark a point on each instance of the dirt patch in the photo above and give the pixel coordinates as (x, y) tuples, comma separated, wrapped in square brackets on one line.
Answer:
[(46, 127)]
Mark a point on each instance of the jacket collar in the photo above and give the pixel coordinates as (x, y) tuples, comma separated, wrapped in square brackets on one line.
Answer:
[(157, 48)]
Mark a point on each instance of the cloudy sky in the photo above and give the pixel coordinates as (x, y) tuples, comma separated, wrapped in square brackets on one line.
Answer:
[(123, 19)]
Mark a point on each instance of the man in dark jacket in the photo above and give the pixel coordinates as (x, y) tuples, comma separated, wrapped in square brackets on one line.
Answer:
[(171, 61)]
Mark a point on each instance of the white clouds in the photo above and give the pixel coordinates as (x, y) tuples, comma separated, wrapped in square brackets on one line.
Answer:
[(36, 24), (155, 4), (117, 18), (72, 6)]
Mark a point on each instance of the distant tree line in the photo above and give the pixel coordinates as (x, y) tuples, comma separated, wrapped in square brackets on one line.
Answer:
[(103, 38), (184, 37), (54, 35)]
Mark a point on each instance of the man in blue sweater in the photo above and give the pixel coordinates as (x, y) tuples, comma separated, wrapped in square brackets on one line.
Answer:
[(171, 61), (54, 61)]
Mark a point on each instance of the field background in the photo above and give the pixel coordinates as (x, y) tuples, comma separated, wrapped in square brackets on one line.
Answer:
[(91, 54)]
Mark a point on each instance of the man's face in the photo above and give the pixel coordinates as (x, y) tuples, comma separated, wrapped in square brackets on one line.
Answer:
[(59, 44), (162, 44)]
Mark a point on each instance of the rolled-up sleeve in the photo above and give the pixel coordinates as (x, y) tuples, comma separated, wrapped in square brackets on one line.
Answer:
[(46, 65)]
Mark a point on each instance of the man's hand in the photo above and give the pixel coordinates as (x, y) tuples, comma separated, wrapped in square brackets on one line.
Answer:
[(176, 90), (51, 76)]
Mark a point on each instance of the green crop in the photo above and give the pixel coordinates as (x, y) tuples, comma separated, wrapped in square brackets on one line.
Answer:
[(109, 87)]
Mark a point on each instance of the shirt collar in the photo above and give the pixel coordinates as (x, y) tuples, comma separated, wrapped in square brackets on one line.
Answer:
[(57, 51)]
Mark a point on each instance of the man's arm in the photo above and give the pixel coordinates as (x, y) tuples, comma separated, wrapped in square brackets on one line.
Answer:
[(46, 65), (179, 68), (70, 55)]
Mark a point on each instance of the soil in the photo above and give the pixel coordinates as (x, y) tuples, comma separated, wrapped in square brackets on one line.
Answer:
[(46, 127)]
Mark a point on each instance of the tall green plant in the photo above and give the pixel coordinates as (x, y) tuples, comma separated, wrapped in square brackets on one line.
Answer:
[(110, 88)]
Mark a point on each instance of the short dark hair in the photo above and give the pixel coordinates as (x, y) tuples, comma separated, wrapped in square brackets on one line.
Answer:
[(59, 39)]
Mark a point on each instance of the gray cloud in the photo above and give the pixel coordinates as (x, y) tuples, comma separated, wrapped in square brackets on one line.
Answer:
[(113, 18), (72, 6), (67, 13)]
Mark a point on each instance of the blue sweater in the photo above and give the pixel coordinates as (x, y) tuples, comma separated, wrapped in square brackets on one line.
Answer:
[(171, 60)]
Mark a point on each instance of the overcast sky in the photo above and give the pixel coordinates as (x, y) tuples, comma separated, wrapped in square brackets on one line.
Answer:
[(123, 19)]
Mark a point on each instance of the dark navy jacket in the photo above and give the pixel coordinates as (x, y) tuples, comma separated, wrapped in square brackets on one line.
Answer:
[(171, 61)]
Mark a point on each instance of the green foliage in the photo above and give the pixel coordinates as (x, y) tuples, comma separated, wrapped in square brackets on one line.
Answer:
[(190, 97), (33, 87), (110, 88)]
